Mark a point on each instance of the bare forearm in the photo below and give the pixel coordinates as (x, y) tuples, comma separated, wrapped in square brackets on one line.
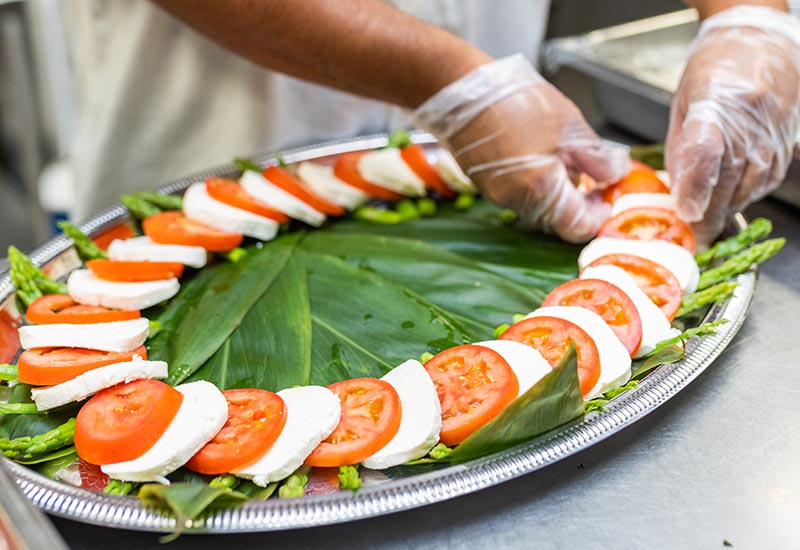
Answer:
[(366, 47), (707, 8)]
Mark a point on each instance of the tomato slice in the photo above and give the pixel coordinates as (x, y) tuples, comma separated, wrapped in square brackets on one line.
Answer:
[(658, 282), (255, 420), (50, 366), (474, 384), (346, 169), (122, 422), (608, 301), (649, 223), (132, 272), (122, 231), (641, 179), (295, 187), (60, 308), (370, 419), (551, 336), (231, 193), (9, 337), (414, 156), (173, 227)]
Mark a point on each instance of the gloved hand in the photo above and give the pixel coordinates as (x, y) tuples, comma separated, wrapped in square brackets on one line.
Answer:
[(520, 139), (735, 116)]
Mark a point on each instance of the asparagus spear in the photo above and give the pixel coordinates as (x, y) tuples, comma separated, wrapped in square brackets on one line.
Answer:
[(139, 207), (117, 487), (87, 250), (29, 446), (30, 281), (712, 294), (740, 262), (164, 202), (756, 230), (226, 481)]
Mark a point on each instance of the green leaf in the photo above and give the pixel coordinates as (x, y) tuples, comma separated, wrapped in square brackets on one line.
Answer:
[(86, 249), (187, 501), (255, 492), (208, 308), (55, 462), (554, 401), (597, 404), (18, 408), (271, 349), (245, 164), (669, 354), (58, 454)]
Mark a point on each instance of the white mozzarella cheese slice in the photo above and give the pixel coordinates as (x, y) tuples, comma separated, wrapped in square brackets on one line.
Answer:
[(526, 362), (143, 249), (452, 174), (201, 207), (85, 288), (385, 167), (312, 414), (201, 415), (615, 361), (421, 419), (256, 185), (675, 258), (640, 200), (663, 175), (120, 336), (89, 383), (321, 180), (655, 325)]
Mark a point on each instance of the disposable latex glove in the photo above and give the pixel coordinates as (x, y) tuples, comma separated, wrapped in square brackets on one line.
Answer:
[(520, 139), (735, 115)]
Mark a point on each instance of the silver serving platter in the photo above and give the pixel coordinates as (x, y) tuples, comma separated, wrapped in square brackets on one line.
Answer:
[(382, 496)]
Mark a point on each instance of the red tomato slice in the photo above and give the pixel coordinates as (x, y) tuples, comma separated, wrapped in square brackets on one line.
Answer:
[(608, 301), (60, 308), (122, 231), (174, 228), (231, 193), (370, 419), (658, 282), (551, 336), (641, 179), (50, 366), (414, 156), (474, 384), (346, 169), (9, 337), (295, 187), (255, 420), (133, 272), (647, 224), (122, 422)]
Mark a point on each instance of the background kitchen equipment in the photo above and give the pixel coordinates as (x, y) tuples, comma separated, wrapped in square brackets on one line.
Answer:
[(634, 69)]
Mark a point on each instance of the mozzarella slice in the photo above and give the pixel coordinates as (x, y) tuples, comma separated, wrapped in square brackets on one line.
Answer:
[(639, 200), (655, 325), (387, 168), (526, 362), (261, 188), (201, 415), (452, 174), (421, 418), (85, 288), (615, 362), (675, 258), (117, 336), (312, 413), (199, 206), (89, 383), (143, 249), (322, 181)]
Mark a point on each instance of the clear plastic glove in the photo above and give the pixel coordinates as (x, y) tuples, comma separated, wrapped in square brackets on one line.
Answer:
[(520, 140), (735, 115)]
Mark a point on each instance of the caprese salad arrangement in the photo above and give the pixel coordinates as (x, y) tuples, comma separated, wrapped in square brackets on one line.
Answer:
[(86, 341)]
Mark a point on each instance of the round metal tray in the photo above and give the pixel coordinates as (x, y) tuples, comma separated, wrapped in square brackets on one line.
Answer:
[(388, 496)]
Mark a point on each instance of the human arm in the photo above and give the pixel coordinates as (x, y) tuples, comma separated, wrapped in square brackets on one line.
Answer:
[(736, 112)]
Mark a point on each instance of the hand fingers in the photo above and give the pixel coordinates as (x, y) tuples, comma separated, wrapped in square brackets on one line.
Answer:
[(582, 151), (538, 188), (719, 207)]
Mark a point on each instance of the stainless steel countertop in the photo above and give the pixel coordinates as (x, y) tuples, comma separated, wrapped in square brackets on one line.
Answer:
[(717, 463)]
